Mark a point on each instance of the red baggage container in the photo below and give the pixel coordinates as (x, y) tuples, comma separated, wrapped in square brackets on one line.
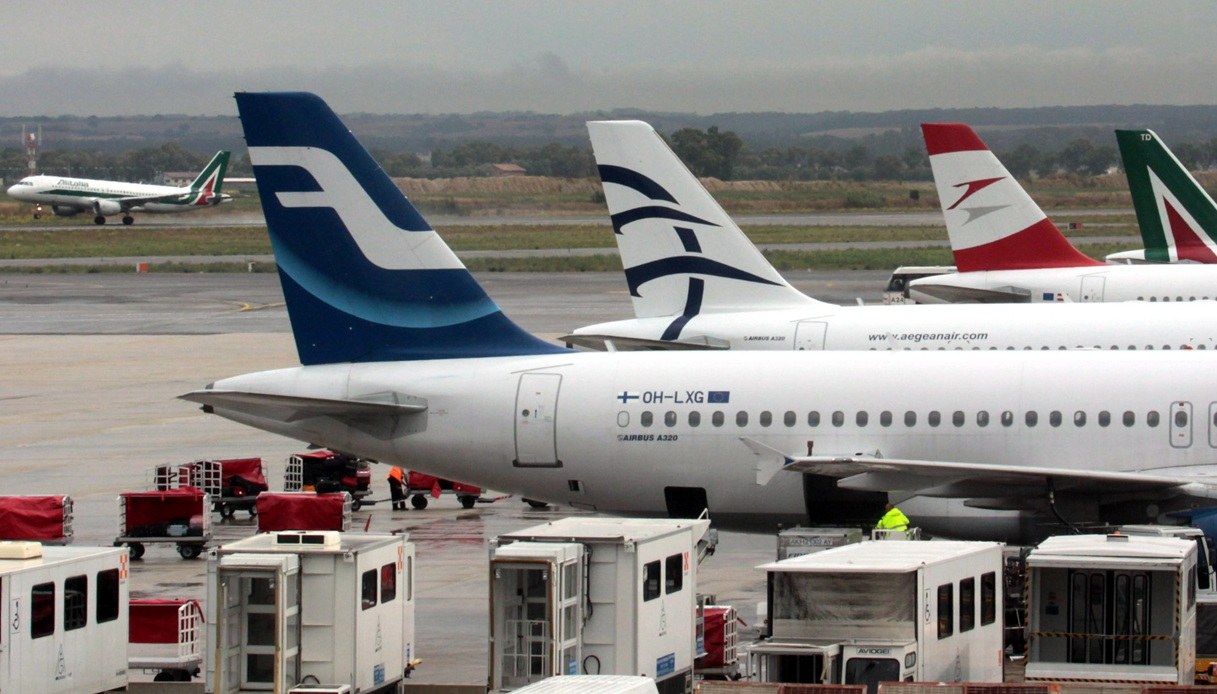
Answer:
[(303, 511)]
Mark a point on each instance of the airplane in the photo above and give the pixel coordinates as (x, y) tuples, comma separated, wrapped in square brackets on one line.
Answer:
[(405, 360), (1007, 250), (70, 196), (1178, 218), (697, 282)]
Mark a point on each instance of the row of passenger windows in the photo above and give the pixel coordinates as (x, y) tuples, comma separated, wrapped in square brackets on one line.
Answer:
[(75, 603), (1025, 348), (933, 418)]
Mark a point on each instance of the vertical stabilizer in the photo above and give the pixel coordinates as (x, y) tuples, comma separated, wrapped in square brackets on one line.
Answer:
[(683, 255), (1178, 218), (364, 276), (992, 223), (206, 186)]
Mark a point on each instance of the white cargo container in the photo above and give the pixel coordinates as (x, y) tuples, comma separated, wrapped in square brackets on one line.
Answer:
[(65, 618), (321, 607), (795, 542), (1112, 608), (884, 612), (593, 596)]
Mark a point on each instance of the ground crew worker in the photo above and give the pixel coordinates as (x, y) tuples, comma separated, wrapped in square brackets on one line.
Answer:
[(893, 519), (397, 488)]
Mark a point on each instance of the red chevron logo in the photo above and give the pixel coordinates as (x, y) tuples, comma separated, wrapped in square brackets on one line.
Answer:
[(974, 187)]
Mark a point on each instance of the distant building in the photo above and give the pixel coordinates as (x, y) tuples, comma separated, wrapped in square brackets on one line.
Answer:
[(175, 178), (507, 170)]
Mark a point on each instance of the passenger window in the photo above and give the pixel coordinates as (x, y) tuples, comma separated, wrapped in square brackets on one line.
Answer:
[(1007, 418), (694, 418), (650, 580), (368, 589), (861, 418), (75, 602), (946, 610), (988, 598), (669, 418), (717, 418), (934, 418), (957, 418), (673, 574), (910, 418), (107, 595), (388, 582), (1104, 418), (1079, 419), (1151, 418), (623, 419), (1054, 418), (646, 418), (838, 418), (967, 604), (813, 419), (1129, 418), (790, 418), (982, 418), (1180, 418), (885, 418), (766, 418), (1031, 418), (741, 418), (42, 610)]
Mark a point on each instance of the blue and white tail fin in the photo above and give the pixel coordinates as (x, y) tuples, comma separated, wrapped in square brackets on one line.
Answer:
[(683, 255), (364, 276)]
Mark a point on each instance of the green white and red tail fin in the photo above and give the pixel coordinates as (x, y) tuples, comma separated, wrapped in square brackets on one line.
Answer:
[(205, 188), (1178, 218), (992, 223)]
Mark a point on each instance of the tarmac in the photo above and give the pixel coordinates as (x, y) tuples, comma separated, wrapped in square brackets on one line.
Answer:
[(92, 368)]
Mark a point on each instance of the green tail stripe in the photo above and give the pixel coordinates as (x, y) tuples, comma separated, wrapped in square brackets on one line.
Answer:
[(1142, 151), (219, 161)]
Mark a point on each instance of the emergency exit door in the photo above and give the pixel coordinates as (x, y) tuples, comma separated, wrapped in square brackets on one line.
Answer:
[(536, 420), (1092, 288), (1181, 424), (810, 334)]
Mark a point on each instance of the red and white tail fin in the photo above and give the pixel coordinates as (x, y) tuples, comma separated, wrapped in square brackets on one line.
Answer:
[(992, 223)]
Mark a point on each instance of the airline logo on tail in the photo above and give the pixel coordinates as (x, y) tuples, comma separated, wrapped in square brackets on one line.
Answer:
[(1177, 217), (1000, 227)]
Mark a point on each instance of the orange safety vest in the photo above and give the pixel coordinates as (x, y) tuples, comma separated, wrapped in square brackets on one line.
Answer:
[(397, 474)]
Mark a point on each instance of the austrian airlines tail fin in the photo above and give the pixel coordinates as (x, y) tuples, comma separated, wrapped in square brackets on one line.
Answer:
[(1178, 219), (365, 278), (683, 255), (992, 223)]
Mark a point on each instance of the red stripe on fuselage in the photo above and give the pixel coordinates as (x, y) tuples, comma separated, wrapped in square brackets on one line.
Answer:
[(1040, 245)]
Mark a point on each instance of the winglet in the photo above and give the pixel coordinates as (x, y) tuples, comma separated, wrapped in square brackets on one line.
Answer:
[(992, 223), (1178, 218)]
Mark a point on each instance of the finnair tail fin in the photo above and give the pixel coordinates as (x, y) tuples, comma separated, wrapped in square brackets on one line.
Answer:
[(992, 223), (211, 179), (682, 254), (364, 276), (1178, 219)]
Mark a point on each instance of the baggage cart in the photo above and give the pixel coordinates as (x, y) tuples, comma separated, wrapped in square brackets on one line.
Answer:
[(178, 516), (326, 471), (45, 519), (166, 636), (303, 511), (419, 486), (232, 483)]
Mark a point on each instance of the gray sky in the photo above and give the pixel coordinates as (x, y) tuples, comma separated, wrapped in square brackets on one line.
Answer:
[(704, 56)]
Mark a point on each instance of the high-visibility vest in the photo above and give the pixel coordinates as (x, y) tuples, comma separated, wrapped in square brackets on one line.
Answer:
[(397, 474), (893, 520)]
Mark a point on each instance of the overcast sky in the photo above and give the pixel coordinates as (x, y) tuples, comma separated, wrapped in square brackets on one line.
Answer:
[(704, 56)]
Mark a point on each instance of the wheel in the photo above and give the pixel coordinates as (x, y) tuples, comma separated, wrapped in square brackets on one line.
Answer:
[(165, 676), (226, 511), (99, 220), (137, 550), (253, 511), (356, 504), (418, 501), (128, 220), (467, 501), (190, 550), (536, 504)]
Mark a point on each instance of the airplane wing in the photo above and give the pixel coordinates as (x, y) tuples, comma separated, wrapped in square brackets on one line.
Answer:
[(258, 404), (972, 295), (957, 480), (616, 343), (137, 200)]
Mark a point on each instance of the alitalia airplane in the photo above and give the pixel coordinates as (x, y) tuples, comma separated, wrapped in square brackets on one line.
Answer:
[(406, 360), (1178, 218), (1007, 250), (68, 196), (697, 282)]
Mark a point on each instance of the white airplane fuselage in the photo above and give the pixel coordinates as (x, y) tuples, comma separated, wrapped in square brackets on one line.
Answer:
[(574, 429), (73, 195), (1139, 325), (1105, 283)]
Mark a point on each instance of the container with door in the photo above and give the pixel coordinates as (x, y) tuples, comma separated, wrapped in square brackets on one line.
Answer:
[(596, 596), (65, 618), (319, 607)]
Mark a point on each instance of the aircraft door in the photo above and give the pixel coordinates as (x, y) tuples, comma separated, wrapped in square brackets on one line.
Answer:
[(1092, 288), (1181, 424), (536, 419), (810, 334)]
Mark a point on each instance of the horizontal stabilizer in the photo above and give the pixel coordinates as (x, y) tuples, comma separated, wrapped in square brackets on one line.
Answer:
[(368, 407), (951, 294), (615, 343)]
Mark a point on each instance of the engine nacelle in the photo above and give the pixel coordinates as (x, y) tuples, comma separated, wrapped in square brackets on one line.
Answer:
[(65, 210), (104, 207)]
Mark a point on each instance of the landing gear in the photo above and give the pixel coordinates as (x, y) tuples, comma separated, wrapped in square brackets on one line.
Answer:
[(128, 220), (99, 220)]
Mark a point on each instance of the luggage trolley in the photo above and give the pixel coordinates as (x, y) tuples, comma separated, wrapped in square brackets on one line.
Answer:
[(166, 636), (419, 485), (45, 519), (233, 483), (178, 515), (326, 471)]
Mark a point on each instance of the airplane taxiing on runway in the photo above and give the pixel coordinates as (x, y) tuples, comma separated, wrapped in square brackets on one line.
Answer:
[(69, 196), (1007, 250), (697, 281), (406, 360)]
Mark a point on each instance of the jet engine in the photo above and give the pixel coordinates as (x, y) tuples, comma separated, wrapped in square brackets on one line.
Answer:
[(104, 207), (65, 210)]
